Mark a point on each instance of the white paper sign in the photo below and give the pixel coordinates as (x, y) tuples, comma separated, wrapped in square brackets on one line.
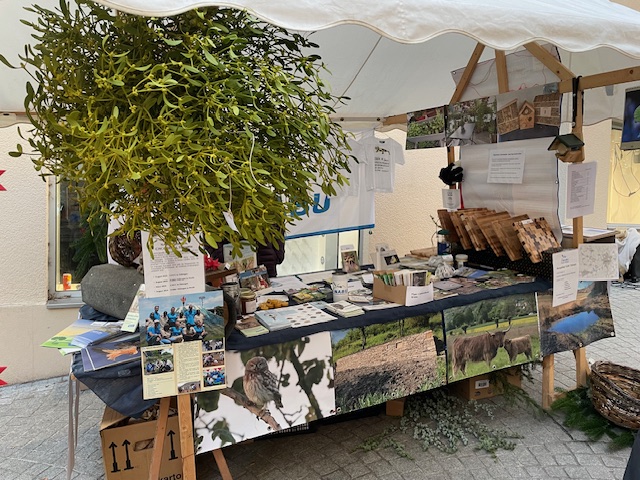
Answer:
[(581, 189), (166, 274), (598, 261), (419, 295), (451, 198), (506, 166), (565, 277)]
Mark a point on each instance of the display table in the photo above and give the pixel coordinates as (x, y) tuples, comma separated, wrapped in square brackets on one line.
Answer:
[(120, 387)]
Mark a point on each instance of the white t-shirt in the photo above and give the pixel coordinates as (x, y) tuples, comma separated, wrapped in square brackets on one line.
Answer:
[(381, 156)]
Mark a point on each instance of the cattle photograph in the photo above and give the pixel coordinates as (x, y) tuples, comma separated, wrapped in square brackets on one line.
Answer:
[(390, 360), (491, 335), (578, 323)]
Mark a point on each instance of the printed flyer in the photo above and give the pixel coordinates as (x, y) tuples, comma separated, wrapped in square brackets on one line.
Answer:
[(182, 344)]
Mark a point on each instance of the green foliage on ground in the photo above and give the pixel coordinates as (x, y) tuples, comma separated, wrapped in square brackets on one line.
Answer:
[(581, 414)]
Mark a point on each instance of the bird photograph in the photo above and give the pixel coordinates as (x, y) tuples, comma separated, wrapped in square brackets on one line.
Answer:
[(260, 385), (268, 389)]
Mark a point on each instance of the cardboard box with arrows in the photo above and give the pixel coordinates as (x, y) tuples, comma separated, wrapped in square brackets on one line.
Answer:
[(127, 447)]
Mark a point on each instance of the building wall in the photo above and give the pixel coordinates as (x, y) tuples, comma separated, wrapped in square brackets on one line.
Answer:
[(24, 317), (402, 220)]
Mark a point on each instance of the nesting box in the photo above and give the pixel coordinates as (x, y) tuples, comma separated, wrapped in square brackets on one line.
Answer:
[(547, 109), (507, 118), (527, 115)]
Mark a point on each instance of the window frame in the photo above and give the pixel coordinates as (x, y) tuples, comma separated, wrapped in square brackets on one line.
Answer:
[(55, 298)]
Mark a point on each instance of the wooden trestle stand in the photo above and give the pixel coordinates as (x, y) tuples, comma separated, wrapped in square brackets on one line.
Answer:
[(185, 420)]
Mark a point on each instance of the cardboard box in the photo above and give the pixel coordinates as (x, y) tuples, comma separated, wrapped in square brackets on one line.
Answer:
[(476, 388), (402, 295), (127, 447)]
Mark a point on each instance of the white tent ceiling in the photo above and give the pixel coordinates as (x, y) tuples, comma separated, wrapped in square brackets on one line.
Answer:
[(396, 56)]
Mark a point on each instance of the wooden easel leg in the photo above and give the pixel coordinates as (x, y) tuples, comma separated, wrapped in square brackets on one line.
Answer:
[(158, 442), (185, 420), (222, 464), (582, 367), (548, 382)]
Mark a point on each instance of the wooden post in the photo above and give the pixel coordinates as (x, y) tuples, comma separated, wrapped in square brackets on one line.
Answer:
[(185, 420), (158, 442), (548, 382)]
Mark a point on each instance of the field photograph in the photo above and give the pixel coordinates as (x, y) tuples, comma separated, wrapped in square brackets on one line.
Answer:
[(491, 335), (386, 361)]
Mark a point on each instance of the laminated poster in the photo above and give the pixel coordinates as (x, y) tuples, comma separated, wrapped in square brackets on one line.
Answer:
[(576, 324), (271, 388), (182, 344)]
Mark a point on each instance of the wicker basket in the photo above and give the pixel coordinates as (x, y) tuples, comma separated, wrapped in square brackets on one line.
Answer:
[(615, 393)]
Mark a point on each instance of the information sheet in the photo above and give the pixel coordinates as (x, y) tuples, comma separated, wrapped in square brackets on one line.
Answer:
[(506, 165), (581, 189), (451, 198), (598, 261), (565, 277), (168, 274)]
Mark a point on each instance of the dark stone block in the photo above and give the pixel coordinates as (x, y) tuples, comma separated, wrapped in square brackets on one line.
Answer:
[(110, 289)]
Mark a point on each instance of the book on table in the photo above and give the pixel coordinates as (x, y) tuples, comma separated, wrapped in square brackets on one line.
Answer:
[(344, 309)]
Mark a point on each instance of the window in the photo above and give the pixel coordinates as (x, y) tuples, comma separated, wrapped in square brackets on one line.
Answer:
[(73, 247)]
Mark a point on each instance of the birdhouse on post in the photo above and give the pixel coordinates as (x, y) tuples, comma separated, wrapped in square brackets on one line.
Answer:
[(527, 115), (568, 148)]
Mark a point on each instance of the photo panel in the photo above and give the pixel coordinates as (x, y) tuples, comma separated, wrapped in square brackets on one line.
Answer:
[(472, 122), (575, 324), (425, 128), (385, 361), (270, 388), (490, 335), (529, 113), (180, 337)]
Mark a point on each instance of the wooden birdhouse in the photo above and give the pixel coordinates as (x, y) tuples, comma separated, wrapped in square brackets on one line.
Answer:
[(527, 115), (568, 148)]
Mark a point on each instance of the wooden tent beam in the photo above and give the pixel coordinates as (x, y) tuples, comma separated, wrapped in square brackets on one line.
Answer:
[(501, 71), (549, 61), (468, 73)]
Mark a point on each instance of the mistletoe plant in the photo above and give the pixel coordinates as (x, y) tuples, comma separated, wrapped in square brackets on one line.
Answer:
[(169, 123)]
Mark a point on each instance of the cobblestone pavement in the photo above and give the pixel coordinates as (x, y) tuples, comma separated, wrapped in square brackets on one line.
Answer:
[(33, 434)]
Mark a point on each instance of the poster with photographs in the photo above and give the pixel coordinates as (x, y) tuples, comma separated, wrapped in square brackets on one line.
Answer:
[(349, 256), (575, 324), (472, 122), (182, 344), (386, 361), (490, 335), (271, 388), (425, 128), (529, 113)]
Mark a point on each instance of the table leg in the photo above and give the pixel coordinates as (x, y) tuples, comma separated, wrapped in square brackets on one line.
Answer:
[(222, 464)]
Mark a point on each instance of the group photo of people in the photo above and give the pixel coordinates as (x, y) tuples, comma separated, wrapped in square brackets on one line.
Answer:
[(176, 319), (158, 361)]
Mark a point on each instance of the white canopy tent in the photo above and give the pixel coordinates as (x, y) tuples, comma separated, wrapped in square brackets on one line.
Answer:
[(397, 56)]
